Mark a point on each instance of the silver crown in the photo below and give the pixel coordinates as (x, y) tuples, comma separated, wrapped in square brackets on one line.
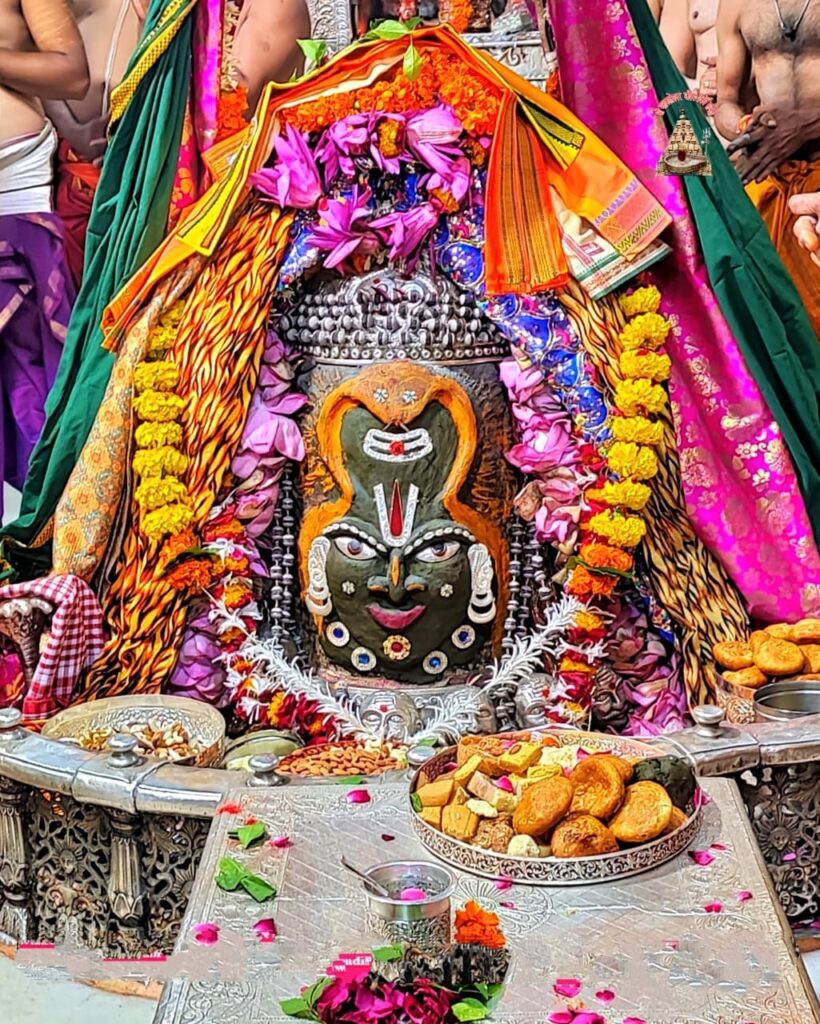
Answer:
[(383, 316)]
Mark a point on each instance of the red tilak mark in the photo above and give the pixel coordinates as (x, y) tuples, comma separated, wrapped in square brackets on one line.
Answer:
[(396, 448), (396, 512)]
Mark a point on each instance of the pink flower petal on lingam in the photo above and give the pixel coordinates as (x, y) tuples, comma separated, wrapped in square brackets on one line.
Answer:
[(715, 907), (744, 896), (561, 1017), (701, 857), (280, 842), (718, 846), (387, 838), (503, 883), (265, 929), (606, 995), (567, 987), (789, 856), (505, 784), (357, 796), (206, 933), (507, 905)]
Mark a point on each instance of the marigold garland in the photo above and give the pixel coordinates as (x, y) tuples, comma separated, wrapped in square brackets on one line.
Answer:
[(623, 493), (646, 330), (637, 363), (638, 429), (154, 492), (627, 460), (158, 407), (166, 520), (158, 375), (637, 396), (158, 435), (479, 927), (642, 300), (602, 556), (150, 462)]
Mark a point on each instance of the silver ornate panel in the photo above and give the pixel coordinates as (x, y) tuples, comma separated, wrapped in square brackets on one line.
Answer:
[(648, 939)]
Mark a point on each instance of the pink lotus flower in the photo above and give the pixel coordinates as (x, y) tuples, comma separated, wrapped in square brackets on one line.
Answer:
[(265, 929), (357, 796), (567, 987), (431, 138), (343, 230), (294, 180), (207, 933), (701, 857), (341, 144), (405, 230), (715, 907)]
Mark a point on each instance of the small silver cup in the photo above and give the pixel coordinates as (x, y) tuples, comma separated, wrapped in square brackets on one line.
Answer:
[(423, 923)]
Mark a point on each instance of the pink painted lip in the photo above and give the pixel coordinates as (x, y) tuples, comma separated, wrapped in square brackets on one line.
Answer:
[(391, 618)]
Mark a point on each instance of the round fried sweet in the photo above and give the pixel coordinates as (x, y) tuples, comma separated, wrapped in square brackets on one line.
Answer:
[(542, 805), (779, 658), (623, 767), (751, 677), (806, 631), (599, 788), (678, 818), (757, 638), (644, 814), (780, 631), (581, 835), (734, 655)]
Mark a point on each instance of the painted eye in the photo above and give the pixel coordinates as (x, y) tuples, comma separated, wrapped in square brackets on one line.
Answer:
[(440, 551), (353, 547)]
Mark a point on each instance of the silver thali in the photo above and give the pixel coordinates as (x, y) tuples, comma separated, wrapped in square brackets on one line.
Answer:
[(554, 870)]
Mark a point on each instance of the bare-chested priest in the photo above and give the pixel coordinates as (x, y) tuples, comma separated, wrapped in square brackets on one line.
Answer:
[(41, 55), (777, 143), (689, 29)]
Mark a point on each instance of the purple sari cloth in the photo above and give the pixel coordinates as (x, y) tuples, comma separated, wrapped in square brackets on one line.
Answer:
[(738, 480), (36, 294)]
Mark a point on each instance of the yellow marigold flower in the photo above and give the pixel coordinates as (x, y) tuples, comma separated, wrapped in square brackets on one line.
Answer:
[(160, 338), (645, 364), (649, 330), (626, 493), (155, 491), (634, 396), (621, 531), (156, 461), (159, 375), (642, 300), (171, 317), (588, 621), (632, 460), (166, 520), (638, 429), (568, 665), (157, 435), (157, 407)]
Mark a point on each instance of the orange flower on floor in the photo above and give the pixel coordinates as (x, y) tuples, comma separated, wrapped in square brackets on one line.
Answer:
[(584, 583), (602, 556), (477, 927), (192, 574)]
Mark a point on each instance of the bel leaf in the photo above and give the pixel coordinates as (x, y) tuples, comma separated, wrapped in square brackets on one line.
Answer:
[(257, 887), (314, 51), (411, 65), (297, 1007), (415, 800), (310, 995), (470, 1009), (350, 780), (431, 741), (230, 874), (385, 954), (249, 834), (388, 30)]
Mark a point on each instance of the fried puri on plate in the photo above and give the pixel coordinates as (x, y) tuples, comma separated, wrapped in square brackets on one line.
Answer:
[(623, 767), (581, 835), (599, 788), (779, 658), (542, 806), (644, 814), (733, 655), (678, 818)]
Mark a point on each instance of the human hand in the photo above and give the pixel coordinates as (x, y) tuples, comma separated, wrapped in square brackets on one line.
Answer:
[(806, 208), (772, 136), (708, 80)]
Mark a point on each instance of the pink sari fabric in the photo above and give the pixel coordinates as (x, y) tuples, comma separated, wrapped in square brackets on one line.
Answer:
[(202, 113), (738, 480)]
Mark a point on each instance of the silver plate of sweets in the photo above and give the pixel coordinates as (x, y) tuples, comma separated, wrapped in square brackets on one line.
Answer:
[(570, 807)]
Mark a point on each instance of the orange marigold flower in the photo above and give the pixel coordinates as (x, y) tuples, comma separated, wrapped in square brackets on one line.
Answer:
[(192, 574), (568, 665), (237, 594), (475, 151), (275, 707), (588, 621), (389, 137), (602, 556), (231, 636), (231, 113), (583, 583), (478, 927), (174, 547), (446, 199)]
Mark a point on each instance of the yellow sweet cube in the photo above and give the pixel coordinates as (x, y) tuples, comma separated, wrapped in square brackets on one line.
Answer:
[(467, 770), (432, 815), (520, 757)]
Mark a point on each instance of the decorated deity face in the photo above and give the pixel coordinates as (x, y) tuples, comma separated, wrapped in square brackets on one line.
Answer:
[(401, 576)]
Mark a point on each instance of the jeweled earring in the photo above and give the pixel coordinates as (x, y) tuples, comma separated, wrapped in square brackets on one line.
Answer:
[(482, 603), (318, 594)]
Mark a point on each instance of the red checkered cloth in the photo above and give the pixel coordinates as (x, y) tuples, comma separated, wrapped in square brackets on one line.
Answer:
[(76, 638)]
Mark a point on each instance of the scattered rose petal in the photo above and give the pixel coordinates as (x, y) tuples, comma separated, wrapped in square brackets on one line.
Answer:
[(357, 796), (567, 987), (561, 1017), (744, 896), (505, 784), (701, 857), (229, 809), (449, 767), (672, 943), (702, 798), (582, 755), (412, 895), (815, 925), (790, 856), (715, 907), (387, 838), (206, 933), (719, 846), (503, 883), (606, 995), (508, 744), (634, 1020), (265, 929), (587, 1017), (279, 842), (250, 821), (507, 905)]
